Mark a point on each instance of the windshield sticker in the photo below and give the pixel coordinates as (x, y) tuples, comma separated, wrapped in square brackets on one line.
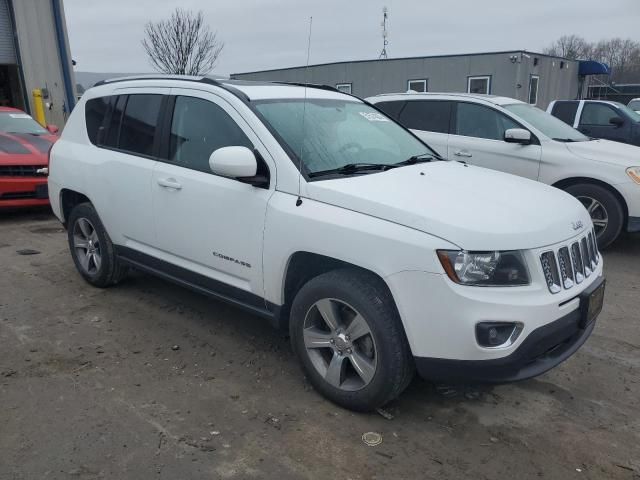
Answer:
[(374, 116), (19, 115)]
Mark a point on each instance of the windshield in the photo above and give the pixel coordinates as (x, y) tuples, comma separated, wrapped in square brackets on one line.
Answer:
[(339, 133), (18, 122), (634, 105), (546, 123)]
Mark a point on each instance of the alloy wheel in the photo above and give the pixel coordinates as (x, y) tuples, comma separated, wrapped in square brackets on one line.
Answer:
[(86, 246), (599, 215), (340, 345)]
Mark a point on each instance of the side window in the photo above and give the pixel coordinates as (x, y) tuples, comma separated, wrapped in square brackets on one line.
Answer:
[(597, 114), (95, 111), (427, 115), (198, 128), (565, 111), (392, 109), (113, 129), (479, 121), (139, 123)]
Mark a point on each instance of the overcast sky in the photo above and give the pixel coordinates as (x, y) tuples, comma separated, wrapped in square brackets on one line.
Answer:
[(105, 36)]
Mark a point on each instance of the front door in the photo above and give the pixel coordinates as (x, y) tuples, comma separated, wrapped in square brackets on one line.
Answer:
[(208, 224), (477, 138)]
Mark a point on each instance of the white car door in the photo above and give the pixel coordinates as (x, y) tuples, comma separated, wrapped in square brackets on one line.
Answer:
[(477, 138), (429, 120), (208, 224)]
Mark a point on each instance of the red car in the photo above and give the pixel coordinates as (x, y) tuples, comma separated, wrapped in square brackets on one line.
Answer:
[(24, 153)]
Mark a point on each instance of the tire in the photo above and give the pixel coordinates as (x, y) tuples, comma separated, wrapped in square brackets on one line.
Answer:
[(605, 209), (91, 248), (382, 353)]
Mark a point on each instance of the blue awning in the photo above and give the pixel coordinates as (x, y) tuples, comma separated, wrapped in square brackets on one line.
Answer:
[(591, 67)]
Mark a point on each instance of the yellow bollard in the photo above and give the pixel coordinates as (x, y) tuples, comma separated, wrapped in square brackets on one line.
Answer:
[(38, 107)]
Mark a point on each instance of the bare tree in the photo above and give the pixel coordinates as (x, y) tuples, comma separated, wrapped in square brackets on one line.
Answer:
[(569, 46), (182, 44)]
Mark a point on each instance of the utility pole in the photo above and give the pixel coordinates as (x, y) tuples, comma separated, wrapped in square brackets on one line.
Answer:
[(385, 34)]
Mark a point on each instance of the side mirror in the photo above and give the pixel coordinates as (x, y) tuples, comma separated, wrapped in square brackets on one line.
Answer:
[(238, 163), (616, 121), (53, 129), (517, 135)]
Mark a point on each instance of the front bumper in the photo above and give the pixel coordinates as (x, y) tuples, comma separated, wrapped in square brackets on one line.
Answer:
[(16, 192), (543, 349)]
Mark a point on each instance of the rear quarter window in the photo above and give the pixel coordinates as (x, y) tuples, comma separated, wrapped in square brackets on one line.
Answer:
[(95, 111), (392, 109), (427, 115)]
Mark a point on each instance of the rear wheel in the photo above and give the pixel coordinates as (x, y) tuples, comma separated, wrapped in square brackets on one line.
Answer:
[(91, 248), (346, 332), (604, 208)]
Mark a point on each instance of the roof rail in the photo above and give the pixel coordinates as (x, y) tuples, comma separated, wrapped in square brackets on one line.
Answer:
[(185, 78), (311, 85)]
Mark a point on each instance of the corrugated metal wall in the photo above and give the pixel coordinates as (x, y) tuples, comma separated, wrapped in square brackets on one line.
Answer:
[(7, 49), (509, 77)]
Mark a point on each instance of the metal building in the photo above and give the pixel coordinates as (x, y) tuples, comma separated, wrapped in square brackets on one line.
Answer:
[(34, 54), (531, 77)]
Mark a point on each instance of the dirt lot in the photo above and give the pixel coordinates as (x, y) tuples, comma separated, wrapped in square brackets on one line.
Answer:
[(147, 380)]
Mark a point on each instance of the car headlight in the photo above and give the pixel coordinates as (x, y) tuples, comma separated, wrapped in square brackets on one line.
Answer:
[(634, 173), (485, 269)]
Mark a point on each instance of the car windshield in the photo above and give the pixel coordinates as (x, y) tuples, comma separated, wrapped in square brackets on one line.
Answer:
[(634, 105), (18, 122), (546, 123), (338, 133), (635, 116)]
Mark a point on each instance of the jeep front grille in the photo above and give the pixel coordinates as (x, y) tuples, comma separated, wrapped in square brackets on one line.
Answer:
[(20, 171), (570, 264)]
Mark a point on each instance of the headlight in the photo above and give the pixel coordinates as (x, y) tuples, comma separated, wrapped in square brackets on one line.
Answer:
[(507, 268), (634, 173)]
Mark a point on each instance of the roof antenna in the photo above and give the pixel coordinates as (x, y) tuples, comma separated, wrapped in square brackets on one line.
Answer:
[(304, 111)]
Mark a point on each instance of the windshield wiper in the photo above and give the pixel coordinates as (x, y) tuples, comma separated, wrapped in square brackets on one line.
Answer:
[(565, 140), (352, 168), (423, 158)]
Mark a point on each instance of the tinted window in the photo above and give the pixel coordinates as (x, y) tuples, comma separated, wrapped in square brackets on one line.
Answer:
[(533, 89), (479, 85), (565, 111), (198, 128), (391, 108), (430, 116), (597, 114), (417, 85), (95, 110), (139, 123), (478, 121), (113, 129)]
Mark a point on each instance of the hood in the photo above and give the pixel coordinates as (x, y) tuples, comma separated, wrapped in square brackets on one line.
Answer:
[(24, 148), (474, 208), (615, 153)]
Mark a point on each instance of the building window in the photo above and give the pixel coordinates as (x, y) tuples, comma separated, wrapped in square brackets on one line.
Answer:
[(344, 87), (534, 80), (479, 84), (417, 85)]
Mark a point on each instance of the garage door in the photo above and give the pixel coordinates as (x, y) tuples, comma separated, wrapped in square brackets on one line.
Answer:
[(7, 51)]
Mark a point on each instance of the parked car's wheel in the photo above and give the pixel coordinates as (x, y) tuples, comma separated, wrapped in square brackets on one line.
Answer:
[(347, 333), (91, 248), (606, 212)]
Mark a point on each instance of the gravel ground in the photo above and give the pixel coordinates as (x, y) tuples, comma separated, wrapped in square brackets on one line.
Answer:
[(148, 380)]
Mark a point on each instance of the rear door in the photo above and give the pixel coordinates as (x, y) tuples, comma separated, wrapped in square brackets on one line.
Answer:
[(122, 165), (430, 120), (595, 121), (477, 137), (565, 111)]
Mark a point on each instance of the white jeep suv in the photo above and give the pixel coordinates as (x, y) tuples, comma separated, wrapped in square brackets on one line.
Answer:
[(312, 209), (514, 137)]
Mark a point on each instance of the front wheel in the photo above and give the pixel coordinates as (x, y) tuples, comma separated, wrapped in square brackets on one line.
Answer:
[(347, 333), (604, 208)]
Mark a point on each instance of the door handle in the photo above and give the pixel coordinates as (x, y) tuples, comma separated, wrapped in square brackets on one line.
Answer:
[(462, 153), (169, 183)]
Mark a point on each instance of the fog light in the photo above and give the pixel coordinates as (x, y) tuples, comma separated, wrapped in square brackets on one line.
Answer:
[(497, 334)]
